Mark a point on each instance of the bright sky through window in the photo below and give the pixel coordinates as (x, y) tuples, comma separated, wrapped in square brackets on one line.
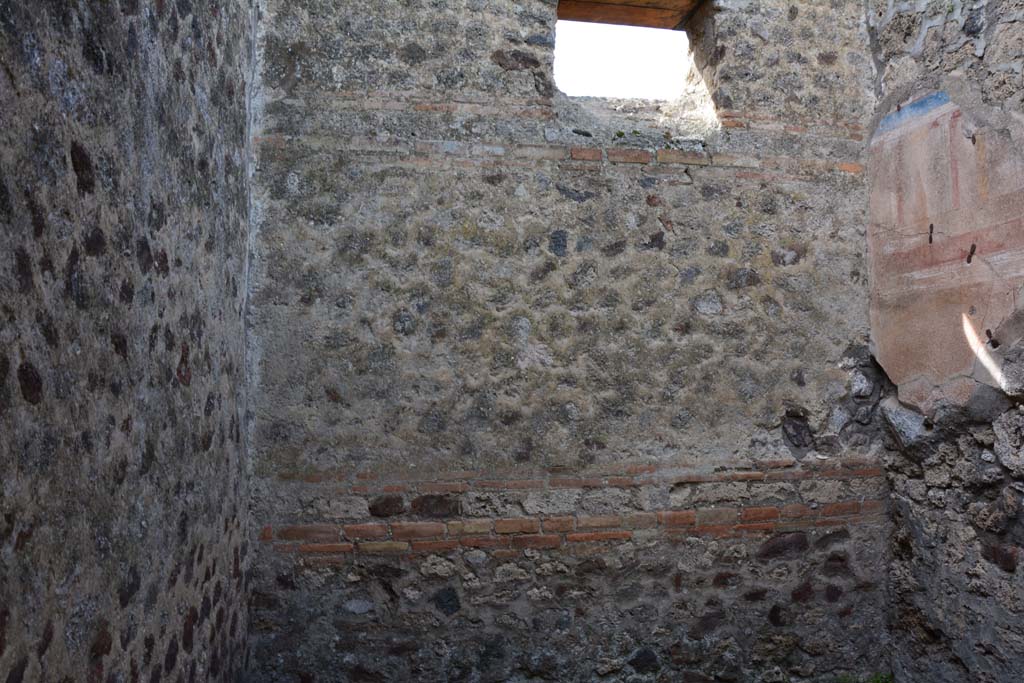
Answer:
[(606, 60)]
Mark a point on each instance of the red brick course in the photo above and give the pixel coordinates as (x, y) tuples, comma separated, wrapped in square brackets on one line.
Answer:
[(575, 483), (641, 520), (587, 154), (327, 548), (678, 518), (676, 156), (484, 541), (599, 536), (360, 531), (536, 541), (434, 546), (621, 155), (797, 511), (605, 522), (841, 509), (715, 516), (512, 484), (310, 532), (759, 514), (515, 534), (443, 487), (552, 524), (409, 530), (517, 525), (470, 526), (383, 547)]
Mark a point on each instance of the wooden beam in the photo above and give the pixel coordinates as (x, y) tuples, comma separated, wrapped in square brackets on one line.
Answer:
[(649, 13), (627, 15), (684, 6)]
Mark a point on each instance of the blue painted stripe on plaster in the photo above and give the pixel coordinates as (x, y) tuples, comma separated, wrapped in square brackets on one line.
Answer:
[(913, 110)]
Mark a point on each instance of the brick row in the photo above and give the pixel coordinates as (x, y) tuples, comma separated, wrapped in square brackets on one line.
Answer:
[(456, 149), (555, 531)]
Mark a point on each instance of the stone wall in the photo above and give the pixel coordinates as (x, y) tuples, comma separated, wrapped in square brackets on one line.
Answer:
[(542, 393), (946, 326), (542, 388), (123, 214)]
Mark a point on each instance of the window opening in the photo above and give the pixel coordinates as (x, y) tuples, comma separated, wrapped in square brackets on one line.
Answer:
[(614, 61)]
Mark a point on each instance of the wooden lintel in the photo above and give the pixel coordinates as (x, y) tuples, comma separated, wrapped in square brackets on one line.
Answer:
[(667, 14), (627, 15)]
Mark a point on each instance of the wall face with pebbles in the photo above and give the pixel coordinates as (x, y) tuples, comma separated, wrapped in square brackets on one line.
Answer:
[(464, 274), (123, 222), (546, 390), (956, 474), (543, 389)]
